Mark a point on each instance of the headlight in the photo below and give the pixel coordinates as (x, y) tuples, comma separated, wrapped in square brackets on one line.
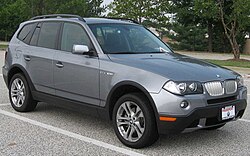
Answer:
[(183, 88), (240, 81)]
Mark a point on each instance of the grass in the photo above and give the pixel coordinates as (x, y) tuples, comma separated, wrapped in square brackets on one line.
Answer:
[(3, 47), (233, 63)]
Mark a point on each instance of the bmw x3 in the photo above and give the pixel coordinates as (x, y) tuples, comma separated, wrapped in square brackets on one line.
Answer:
[(120, 71)]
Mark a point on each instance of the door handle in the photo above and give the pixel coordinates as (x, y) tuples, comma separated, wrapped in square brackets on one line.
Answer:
[(27, 58), (59, 64)]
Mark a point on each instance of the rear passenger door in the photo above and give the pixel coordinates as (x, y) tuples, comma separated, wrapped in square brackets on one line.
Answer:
[(39, 57), (76, 76)]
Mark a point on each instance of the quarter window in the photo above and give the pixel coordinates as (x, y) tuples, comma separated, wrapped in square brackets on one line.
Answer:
[(26, 33), (74, 34), (48, 35)]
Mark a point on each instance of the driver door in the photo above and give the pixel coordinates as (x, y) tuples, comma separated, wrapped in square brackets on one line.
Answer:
[(76, 77)]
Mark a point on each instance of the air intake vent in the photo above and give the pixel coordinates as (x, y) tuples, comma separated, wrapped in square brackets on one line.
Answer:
[(221, 100)]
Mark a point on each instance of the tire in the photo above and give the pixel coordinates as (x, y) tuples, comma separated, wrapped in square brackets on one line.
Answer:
[(214, 128), (141, 124), (19, 93)]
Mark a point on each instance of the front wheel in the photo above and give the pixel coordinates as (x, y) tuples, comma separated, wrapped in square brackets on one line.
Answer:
[(20, 95), (134, 121)]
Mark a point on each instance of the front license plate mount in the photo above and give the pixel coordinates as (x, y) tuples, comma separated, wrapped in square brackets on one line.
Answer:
[(228, 112)]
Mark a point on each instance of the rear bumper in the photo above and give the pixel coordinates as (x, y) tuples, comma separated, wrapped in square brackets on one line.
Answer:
[(201, 118)]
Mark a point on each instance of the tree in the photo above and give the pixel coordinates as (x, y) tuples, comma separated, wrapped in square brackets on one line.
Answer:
[(230, 18), (234, 16), (13, 12), (11, 15), (152, 13), (86, 8), (207, 12), (190, 31)]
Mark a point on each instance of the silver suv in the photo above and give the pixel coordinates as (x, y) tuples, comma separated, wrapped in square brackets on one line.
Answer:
[(122, 72)]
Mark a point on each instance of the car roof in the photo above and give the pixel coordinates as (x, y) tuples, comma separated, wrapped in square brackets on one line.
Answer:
[(90, 20), (107, 20)]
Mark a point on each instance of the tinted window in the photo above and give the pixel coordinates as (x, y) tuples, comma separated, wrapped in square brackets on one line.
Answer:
[(74, 34), (48, 35), (26, 33), (35, 36)]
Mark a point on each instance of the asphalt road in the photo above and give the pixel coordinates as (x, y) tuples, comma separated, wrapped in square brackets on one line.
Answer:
[(51, 130)]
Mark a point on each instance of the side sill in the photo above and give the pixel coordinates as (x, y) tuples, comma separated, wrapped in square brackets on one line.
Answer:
[(77, 106)]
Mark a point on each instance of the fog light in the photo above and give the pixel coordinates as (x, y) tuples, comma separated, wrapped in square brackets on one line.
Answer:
[(184, 104)]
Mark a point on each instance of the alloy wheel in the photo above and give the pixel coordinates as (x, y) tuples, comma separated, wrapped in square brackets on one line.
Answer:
[(130, 121), (18, 92)]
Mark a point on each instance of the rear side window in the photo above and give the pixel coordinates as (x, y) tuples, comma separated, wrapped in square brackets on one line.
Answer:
[(48, 35), (74, 34), (26, 33), (35, 36)]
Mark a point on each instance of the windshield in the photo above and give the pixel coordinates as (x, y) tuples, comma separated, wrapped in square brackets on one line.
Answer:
[(127, 39)]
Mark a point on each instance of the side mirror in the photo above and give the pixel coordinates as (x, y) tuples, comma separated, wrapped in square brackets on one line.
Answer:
[(80, 49)]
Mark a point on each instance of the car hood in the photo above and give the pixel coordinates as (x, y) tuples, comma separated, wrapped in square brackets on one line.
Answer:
[(175, 66)]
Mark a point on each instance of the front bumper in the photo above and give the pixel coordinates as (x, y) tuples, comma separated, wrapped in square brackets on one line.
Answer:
[(201, 118), (203, 110)]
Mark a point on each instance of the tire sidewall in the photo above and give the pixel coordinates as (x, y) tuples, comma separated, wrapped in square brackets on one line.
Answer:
[(27, 93), (149, 121)]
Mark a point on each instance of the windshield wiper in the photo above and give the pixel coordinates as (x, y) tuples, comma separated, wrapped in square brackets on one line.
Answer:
[(122, 53)]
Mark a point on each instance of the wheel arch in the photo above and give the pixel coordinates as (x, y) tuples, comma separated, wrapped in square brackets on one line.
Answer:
[(16, 68), (123, 88)]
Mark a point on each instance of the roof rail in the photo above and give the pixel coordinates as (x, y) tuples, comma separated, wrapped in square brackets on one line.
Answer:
[(123, 19), (58, 16)]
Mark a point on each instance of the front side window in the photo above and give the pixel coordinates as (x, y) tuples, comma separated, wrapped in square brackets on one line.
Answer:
[(74, 34), (48, 35), (127, 38)]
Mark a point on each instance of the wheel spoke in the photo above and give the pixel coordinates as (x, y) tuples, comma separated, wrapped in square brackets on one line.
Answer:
[(130, 132), (126, 109), (22, 86), (121, 123), (22, 99), (18, 101), (138, 113), (122, 118), (15, 82), (138, 129), (19, 82), (14, 92), (128, 105)]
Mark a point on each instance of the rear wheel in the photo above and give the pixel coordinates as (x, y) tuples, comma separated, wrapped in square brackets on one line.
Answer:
[(134, 121), (20, 95)]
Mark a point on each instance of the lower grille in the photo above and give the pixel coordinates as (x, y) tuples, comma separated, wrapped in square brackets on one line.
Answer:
[(221, 100)]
